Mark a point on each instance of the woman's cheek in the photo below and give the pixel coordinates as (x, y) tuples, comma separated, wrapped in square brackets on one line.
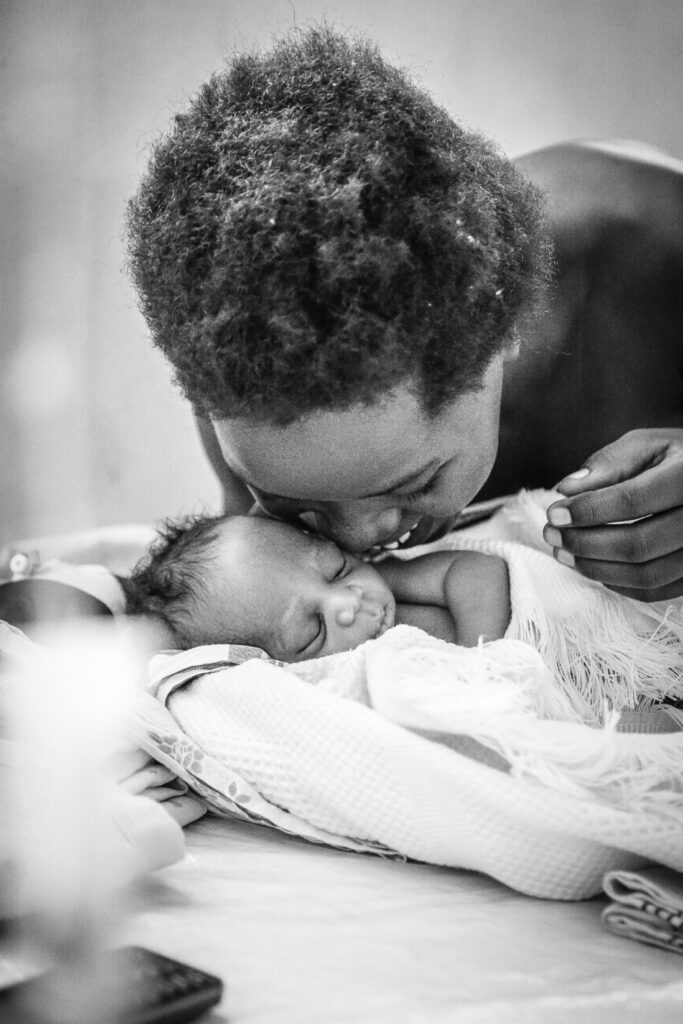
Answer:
[(455, 490)]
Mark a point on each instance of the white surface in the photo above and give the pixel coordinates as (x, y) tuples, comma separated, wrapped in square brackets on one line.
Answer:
[(303, 934)]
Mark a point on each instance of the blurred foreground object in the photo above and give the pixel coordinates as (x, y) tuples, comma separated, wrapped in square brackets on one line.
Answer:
[(142, 988), (73, 839)]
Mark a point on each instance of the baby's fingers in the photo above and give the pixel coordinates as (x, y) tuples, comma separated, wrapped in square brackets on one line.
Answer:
[(162, 793), (184, 809), (124, 761), (151, 776)]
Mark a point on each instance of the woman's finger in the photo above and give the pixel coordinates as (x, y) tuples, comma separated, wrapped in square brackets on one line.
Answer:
[(656, 489), (627, 457), (668, 593), (640, 541), (644, 578)]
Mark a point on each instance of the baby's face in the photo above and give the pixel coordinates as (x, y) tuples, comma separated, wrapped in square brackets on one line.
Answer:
[(294, 595)]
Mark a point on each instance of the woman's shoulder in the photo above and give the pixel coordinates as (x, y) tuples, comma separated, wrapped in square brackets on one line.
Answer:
[(615, 212), (606, 354), (620, 178)]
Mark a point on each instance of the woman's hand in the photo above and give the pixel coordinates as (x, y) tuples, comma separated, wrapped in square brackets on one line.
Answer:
[(622, 519)]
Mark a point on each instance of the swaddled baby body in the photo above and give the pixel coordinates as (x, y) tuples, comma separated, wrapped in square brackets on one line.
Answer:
[(267, 584)]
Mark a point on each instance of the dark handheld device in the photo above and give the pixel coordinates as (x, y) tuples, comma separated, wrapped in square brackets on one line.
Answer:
[(145, 988)]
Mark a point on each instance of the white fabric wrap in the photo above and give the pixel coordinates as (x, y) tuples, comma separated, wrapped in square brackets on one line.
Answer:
[(474, 758)]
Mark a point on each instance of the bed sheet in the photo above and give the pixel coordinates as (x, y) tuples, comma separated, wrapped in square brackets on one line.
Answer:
[(303, 934)]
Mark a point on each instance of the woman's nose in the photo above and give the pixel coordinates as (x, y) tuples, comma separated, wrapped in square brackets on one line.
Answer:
[(356, 527)]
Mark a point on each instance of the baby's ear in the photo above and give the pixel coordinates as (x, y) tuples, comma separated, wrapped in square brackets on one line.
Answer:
[(141, 600)]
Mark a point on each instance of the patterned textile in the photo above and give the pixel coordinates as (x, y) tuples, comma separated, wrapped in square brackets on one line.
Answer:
[(647, 906)]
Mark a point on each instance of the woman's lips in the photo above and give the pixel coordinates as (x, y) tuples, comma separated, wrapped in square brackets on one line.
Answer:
[(404, 541), (428, 529), (425, 529)]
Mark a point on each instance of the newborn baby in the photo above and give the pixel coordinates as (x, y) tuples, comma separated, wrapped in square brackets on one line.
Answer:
[(267, 584)]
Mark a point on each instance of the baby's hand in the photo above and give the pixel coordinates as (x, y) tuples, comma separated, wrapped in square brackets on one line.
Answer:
[(622, 520), (139, 774)]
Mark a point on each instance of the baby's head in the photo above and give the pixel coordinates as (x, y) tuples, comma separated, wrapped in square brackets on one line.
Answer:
[(261, 582)]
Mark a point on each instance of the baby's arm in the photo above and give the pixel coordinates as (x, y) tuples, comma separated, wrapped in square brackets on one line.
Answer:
[(474, 588)]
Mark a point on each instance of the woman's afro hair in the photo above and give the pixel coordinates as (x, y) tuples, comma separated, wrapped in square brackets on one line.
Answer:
[(314, 231)]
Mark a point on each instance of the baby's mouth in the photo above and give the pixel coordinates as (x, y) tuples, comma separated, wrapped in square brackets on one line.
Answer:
[(386, 621)]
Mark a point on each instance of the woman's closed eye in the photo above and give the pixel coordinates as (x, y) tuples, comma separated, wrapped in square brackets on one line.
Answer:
[(421, 492)]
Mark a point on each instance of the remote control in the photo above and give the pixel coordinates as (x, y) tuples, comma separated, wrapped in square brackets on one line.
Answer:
[(148, 988)]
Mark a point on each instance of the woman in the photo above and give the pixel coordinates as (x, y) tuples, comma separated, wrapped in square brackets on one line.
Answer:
[(344, 281)]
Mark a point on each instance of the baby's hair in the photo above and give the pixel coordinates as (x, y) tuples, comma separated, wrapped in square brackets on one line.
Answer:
[(170, 581), (315, 231)]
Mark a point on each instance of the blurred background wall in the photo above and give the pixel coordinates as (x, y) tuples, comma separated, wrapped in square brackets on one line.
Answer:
[(93, 431)]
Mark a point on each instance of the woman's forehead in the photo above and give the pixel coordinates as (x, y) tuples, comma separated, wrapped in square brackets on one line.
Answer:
[(349, 453)]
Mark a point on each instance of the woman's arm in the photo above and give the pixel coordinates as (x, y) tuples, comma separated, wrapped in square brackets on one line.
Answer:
[(595, 398), (472, 587)]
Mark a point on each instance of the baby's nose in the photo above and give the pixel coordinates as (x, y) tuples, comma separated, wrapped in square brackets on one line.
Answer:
[(354, 602), (349, 599)]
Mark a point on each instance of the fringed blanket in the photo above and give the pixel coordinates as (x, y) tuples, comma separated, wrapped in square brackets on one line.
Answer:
[(505, 759)]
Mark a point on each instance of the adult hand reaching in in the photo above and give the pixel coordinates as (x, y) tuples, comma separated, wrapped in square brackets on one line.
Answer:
[(621, 521)]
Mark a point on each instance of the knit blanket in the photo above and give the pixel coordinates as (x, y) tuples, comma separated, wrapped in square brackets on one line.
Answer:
[(508, 758)]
